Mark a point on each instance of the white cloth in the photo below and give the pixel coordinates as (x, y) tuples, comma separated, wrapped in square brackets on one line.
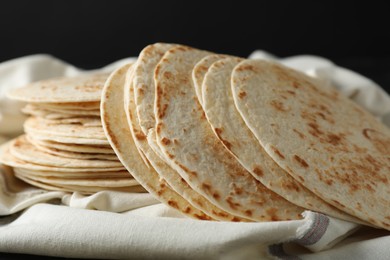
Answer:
[(110, 225)]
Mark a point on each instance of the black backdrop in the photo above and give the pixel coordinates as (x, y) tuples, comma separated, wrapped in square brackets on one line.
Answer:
[(90, 33)]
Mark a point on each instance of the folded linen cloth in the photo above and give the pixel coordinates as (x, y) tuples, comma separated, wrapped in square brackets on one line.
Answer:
[(110, 225)]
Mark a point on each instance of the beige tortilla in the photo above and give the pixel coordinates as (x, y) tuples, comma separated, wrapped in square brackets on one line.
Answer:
[(232, 131), (70, 147), (75, 155), (75, 175), (36, 125), (32, 110), (321, 138), (98, 182), (24, 150), (143, 77), (200, 71), (37, 109), (83, 121), (84, 88), (78, 188), (72, 106), (8, 159), (118, 133), (186, 139)]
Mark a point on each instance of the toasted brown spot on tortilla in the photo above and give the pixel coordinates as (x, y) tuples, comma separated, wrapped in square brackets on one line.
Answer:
[(165, 141), (170, 155), (235, 219), (202, 217), (334, 139), (272, 213), (140, 136), (207, 187), (242, 94), (187, 210), (299, 133), (302, 162), (161, 113), (248, 212), (186, 169), (258, 171), (218, 132), (173, 204), (314, 129), (301, 178), (237, 190), (329, 182), (168, 75), (278, 105), (231, 203), (276, 151), (220, 213), (216, 195)]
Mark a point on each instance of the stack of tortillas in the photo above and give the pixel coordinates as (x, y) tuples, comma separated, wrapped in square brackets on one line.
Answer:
[(65, 147), (224, 138)]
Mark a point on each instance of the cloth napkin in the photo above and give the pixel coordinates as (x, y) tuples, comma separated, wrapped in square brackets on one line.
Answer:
[(113, 225)]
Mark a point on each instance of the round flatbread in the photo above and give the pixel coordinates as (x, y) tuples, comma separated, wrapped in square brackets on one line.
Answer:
[(70, 147), (321, 138), (186, 139), (42, 127), (200, 71), (84, 88)]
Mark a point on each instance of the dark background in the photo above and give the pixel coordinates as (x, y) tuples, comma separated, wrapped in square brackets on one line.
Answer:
[(90, 34)]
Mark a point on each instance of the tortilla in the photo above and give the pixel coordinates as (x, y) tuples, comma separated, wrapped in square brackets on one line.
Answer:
[(232, 131), (42, 127), (84, 88), (78, 148), (76, 175), (32, 110), (24, 150), (84, 121), (187, 141), (325, 141), (150, 56), (37, 109), (75, 155), (119, 135), (98, 182), (200, 71), (8, 159), (143, 83), (72, 106), (77, 188), (65, 139)]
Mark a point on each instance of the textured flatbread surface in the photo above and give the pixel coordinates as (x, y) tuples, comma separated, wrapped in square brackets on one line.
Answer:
[(143, 83), (232, 131), (85, 88), (200, 71), (186, 139), (69, 147), (118, 133), (322, 139), (143, 77), (34, 124)]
